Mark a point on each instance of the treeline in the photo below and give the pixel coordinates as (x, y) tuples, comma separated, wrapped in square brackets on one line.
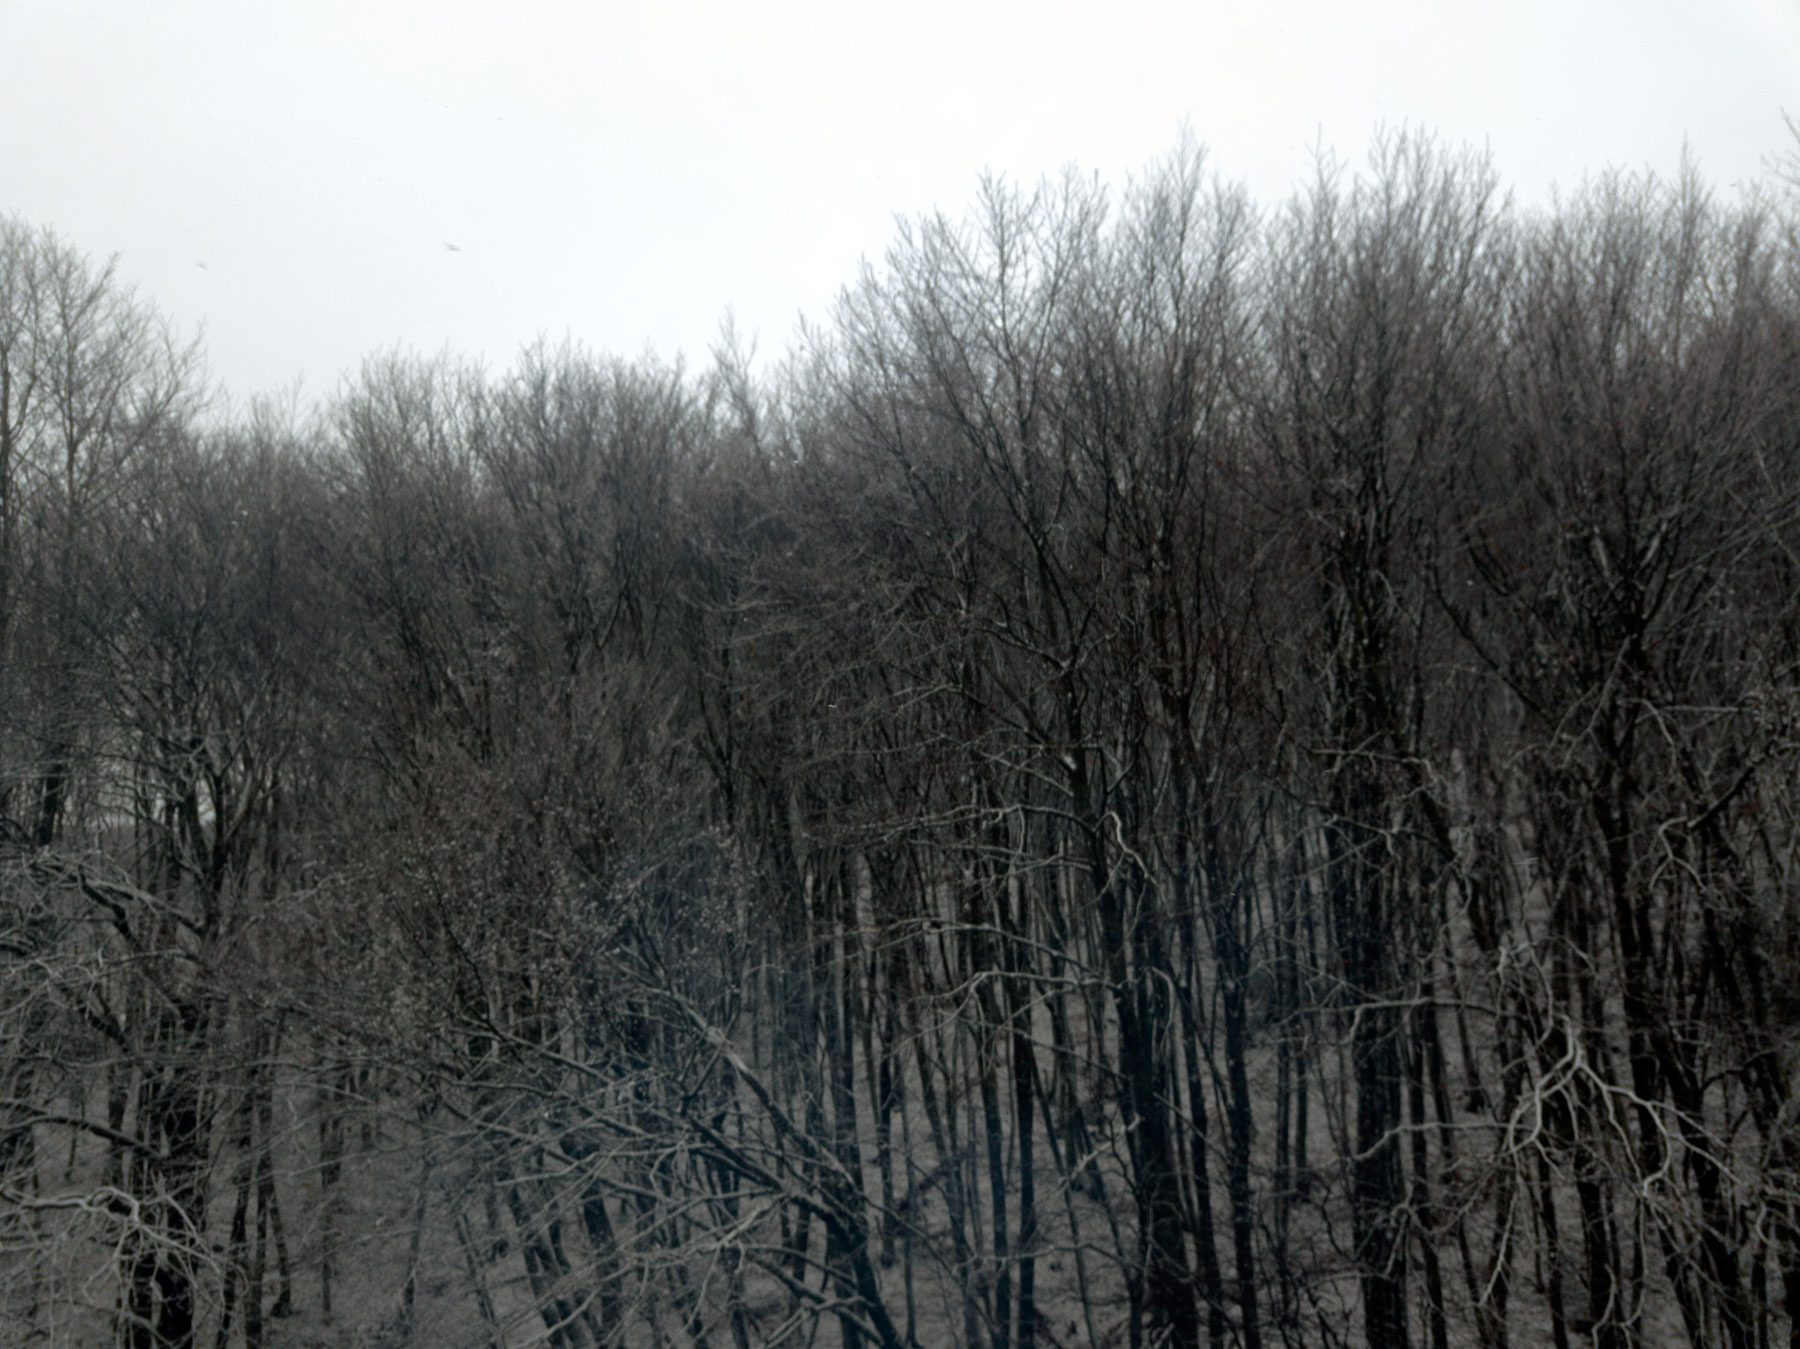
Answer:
[(1178, 775)]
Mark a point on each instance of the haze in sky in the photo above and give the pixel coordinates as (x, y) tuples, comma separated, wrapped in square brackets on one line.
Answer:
[(316, 181)]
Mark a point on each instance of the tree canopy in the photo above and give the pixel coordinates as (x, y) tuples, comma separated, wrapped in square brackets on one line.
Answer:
[(1180, 773)]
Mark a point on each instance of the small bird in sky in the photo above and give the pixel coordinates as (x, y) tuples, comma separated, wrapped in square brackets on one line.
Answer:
[(453, 248), (202, 266)]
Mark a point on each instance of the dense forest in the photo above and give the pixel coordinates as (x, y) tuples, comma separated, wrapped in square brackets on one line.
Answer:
[(1178, 773)]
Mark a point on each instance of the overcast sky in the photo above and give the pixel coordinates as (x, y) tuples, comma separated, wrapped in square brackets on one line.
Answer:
[(294, 175)]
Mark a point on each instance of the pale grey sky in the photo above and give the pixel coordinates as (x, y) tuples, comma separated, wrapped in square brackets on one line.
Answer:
[(292, 174)]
